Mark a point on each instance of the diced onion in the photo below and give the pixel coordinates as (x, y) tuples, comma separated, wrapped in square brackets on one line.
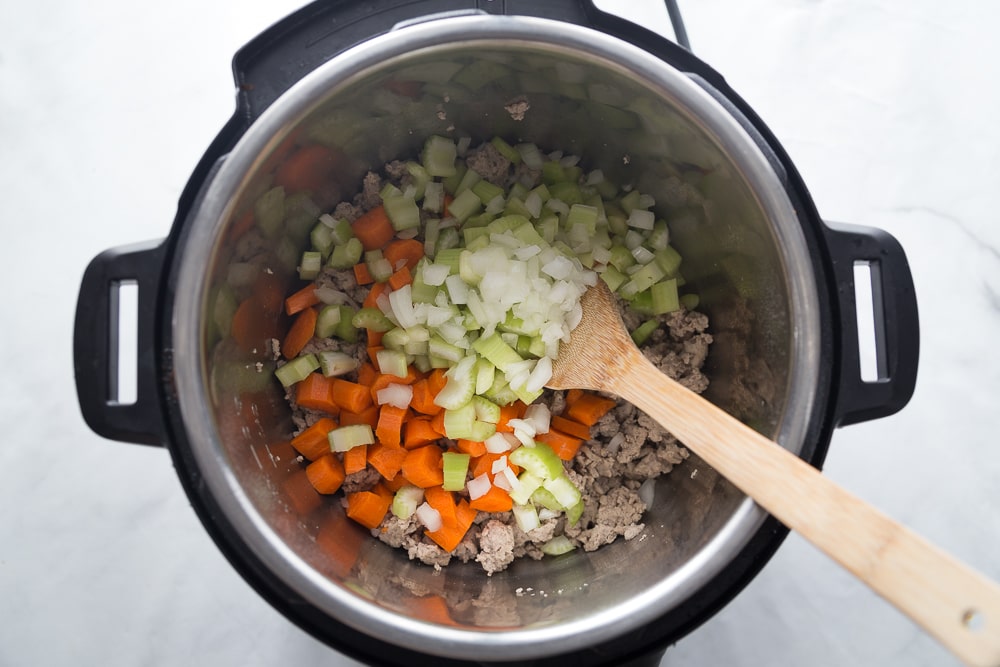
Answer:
[(396, 395), (646, 492), (499, 465), (478, 486), (499, 443), (538, 416), (429, 517)]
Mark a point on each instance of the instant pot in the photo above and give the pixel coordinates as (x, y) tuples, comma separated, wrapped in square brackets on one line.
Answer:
[(363, 83)]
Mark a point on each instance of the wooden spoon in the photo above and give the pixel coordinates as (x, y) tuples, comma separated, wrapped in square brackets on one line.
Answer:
[(954, 604)]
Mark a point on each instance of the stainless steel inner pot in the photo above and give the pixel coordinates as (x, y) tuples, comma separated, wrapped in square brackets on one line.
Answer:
[(622, 110)]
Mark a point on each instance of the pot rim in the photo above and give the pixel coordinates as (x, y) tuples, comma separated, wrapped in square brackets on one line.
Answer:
[(340, 73)]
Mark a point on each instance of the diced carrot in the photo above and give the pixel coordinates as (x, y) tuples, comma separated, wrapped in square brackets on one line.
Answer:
[(367, 508), (304, 298), (423, 466), (573, 395), (570, 427), (326, 473), (417, 432), (372, 353), (588, 408), (443, 501), (451, 535), (269, 290), (437, 423), (300, 333), (423, 399), (400, 278), (366, 374), (484, 463), (309, 169), (252, 325), (341, 542), (494, 500), (300, 493), (312, 442), (403, 252), (387, 459), (356, 459), (367, 416), (389, 429), (314, 393), (362, 275), (373, 229), (448, 199), (244, 223), (395, 484), (565, 446), (473, 448), (382, 490), (374, 339), (507, 412), (433, 608), (377, 290), (436, 381), (350, 396)]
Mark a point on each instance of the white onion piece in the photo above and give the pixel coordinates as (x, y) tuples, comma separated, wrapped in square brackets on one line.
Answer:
[(429, 517), (497, 443), (499, 465), (396, 395), (539, 417), (647, 491), (478, 486), (435, 274), (615, 443), (330, 296)]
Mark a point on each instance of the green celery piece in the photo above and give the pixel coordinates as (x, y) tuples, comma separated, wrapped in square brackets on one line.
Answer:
[(690, 301), (540, 460), (528, 482), (665, 297), (403, 212), (496, 351), (344, 438), (328, 321), (464, 204), (458, 422), (565, 492), (269, 212), (644, 331), (371, 318), (346, 331), (487, 192), (557, 546), (346, 255), (481, 430), (297, 369), (506, 150), (392, 362), (456, 467), (486, 410), (438, 156), (321, 239), (669, 260), (543, 497), (406, 500)]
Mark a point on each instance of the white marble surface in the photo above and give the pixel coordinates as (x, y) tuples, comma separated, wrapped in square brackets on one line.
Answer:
[(888, 109)]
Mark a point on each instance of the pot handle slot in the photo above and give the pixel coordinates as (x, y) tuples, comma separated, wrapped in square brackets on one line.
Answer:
[(97, 355), (879, 387)]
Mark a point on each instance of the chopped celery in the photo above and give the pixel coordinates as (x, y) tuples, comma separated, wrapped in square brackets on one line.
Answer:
[(664, 296), (371, 318), (558, 545), (456, 467), (486, 191), (542, 497), (346, 255), (340, 230), (438, 347), (506, 150), (433, 201), (328, 321), (310, 265), (540, 460), (690, 301), (269, 212), (485, 374), (432, 231), (439, 156), (458, 421), (644, 331), (297, 369), (526, 516), (335, 364), (456, 394), (574, 513), (346, 331), (583, 215), (469, 178), (406, 500), (391, 362), (486, 410), (669, 260), (566, 494), (464, 204), (481, 430), (347, 437), (496, 351), (403, 212), (613, 277), (321, 238), (527, 482)]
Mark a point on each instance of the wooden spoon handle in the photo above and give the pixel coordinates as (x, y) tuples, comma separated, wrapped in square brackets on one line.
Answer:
[(953, 603)]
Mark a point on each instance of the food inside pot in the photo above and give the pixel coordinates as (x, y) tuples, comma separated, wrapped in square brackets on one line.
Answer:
[(429, 310)]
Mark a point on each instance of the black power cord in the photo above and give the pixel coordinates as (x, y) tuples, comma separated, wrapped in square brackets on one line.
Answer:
[(675, 18)]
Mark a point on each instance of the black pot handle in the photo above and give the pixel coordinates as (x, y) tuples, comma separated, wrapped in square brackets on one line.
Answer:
[(897, 328), (95, 345)]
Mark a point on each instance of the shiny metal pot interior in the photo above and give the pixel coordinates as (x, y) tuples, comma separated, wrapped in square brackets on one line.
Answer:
[(744, 251)]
